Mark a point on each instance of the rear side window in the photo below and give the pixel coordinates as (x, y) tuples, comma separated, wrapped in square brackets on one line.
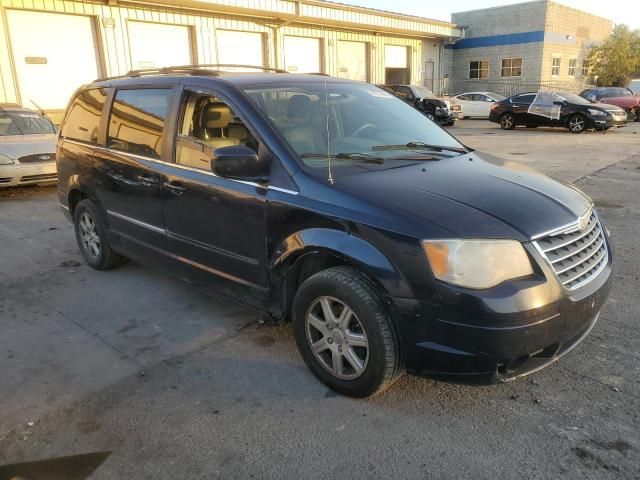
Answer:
[(83, 118), (523, 98), (137, 121)]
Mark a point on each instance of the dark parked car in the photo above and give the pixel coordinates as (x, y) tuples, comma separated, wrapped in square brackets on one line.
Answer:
[(422, 99), (620, 97), (556, 109), (390, 246)]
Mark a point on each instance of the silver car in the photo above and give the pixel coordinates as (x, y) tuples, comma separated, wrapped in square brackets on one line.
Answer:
[(27, 147)]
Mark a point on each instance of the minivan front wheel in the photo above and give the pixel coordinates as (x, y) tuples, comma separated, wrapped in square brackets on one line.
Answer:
[(91, 235), (508, 121), (577, 123), (344, 334)]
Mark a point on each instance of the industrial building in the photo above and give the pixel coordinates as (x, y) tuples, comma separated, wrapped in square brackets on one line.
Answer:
[(49, 47), (524, 46)]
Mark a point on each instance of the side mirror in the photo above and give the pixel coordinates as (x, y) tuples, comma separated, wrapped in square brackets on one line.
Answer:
[(558, 102), (238, 162)]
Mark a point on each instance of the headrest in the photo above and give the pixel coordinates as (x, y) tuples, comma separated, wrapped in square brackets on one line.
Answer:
[(299, 106), (237, 131), (217, 116)]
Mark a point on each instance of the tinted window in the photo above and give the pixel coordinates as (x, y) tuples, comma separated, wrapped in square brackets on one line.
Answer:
[(137, 121), (83, 117), (404, 93), (523, 98), (464, 97), (614, 92), (23, 122)]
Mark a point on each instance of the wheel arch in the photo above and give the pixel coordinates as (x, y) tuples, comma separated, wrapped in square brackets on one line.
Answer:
[(307, 252)]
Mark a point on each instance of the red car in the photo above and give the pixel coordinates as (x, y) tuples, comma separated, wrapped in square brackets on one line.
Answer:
[(618, 96)]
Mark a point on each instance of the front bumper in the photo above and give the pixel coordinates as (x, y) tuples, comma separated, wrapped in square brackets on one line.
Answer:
[(27, 174), (499, 334)]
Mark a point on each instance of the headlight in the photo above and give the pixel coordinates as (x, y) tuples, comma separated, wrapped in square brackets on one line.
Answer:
[(4, 160), (597, 113), (477, 263)]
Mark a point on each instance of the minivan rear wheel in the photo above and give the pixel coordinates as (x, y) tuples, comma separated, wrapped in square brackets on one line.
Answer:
[(344, 334), (508, 121), (91, 235)]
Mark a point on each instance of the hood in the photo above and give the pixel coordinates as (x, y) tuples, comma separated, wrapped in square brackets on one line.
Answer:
[(472, 197), (16, 146)]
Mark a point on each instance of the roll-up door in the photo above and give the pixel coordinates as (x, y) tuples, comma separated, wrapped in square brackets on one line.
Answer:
[(302, 54), (159, 45), (54, 54), (352, 60), (236, 47)]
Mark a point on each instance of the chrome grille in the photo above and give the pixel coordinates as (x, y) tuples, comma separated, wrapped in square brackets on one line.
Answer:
[(38, 158), (577, 257)]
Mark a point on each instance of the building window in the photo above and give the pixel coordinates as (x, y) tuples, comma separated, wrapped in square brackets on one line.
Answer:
[(511, 67), (479, 69), (555, 66), (585, 68), (572, 67)]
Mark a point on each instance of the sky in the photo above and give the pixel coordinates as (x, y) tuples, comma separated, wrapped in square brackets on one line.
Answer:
[(620, 11)]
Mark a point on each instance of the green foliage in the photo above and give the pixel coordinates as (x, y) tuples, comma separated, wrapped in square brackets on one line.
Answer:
[(617, 60)]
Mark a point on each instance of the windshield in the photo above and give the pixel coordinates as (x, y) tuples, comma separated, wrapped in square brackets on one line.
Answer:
[(358, 124), (424, 92), (23, 123), (573, 98)]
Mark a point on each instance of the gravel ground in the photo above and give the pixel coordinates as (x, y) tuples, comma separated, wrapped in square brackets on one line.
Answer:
[(179, 385)]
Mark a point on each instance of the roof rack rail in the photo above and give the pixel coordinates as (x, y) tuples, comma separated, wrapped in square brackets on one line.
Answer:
[(212, 69)]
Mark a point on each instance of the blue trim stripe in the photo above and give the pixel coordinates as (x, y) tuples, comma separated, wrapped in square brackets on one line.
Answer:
[(499, 40)]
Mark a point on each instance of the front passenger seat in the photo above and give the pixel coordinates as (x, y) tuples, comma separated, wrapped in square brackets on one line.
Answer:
[(215, 118), (303, 135)]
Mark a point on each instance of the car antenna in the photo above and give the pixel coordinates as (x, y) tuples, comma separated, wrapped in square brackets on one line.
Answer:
[(326, 112), (42, 112)]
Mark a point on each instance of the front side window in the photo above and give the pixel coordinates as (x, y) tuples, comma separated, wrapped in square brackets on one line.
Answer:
[(208, 123), (511, 67), (137, 121), (572, 67), (23, 122), (83, 116), (555, 66), (357, 126), (404, 93), (479, 69)]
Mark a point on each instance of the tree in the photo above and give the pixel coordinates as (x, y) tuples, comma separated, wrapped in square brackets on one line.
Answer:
[(617, 59)]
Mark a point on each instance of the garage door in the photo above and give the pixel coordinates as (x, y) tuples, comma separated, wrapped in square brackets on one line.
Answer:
[(352, 60), (54, 54), (157, 45), (395, 56), (234, 47), (302, 54)]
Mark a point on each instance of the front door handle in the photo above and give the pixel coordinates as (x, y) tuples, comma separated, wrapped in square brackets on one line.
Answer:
[(175, 187), (148, 180)]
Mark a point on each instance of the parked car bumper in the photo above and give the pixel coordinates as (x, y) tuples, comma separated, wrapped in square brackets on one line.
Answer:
[(500, 334), (27, 174)]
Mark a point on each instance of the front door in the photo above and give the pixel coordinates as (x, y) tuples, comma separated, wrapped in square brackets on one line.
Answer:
[(216, 227), (129, 182), (520, 105)]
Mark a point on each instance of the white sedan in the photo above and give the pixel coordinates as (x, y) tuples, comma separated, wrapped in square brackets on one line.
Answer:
[(476, 104)]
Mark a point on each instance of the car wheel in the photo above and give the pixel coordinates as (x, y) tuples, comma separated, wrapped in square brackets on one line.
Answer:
[(91, 235), (577, 123), (344, 334), (508, 121), (632, 116)]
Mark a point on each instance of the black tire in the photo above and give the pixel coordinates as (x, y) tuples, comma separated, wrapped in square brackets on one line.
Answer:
[(632, 115), (105, 257), (354, 290), (577, 123), (508, 121), (450, 124)]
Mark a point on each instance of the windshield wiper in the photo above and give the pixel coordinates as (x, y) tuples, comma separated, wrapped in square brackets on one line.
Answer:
[(422, 145), (365, 157)]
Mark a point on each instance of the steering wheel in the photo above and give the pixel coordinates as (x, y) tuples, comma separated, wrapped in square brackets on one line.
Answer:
[(362, 128)]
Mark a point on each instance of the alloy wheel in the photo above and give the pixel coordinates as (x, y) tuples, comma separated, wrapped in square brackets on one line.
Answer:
[(336, 338), (89, 235), (507, 122), (576, 124)]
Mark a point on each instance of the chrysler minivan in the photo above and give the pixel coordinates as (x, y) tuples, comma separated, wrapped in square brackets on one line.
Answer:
[(389, 245)]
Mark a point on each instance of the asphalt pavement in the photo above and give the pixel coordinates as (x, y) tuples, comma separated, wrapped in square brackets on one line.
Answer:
[(176, 384)]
